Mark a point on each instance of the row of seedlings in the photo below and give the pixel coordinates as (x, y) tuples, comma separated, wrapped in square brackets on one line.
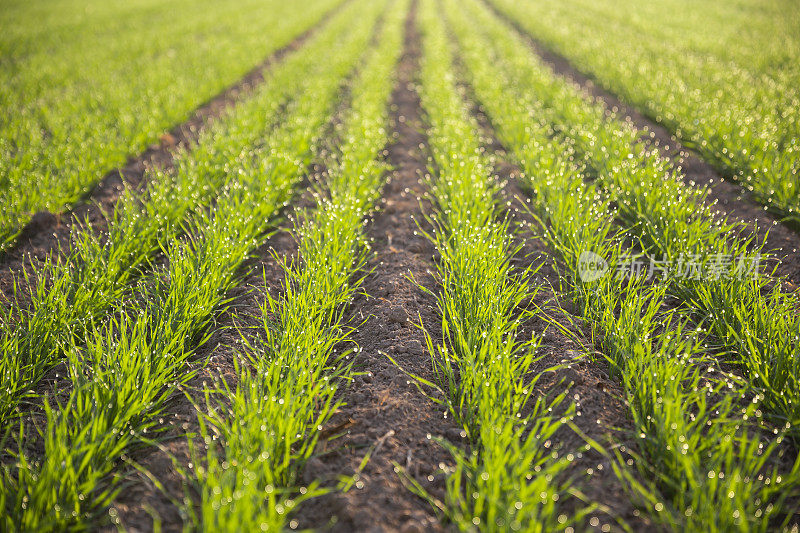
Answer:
[(131, 363), (701, 462), (259, 433), (511, 476), (737, 105)]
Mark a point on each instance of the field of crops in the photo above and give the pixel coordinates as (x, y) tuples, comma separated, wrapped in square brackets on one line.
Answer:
[(400, 265)]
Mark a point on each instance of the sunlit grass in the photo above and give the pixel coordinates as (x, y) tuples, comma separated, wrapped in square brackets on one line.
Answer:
[(722, 76), (752, 322), (88, 84), (67, 296), (508, 478)]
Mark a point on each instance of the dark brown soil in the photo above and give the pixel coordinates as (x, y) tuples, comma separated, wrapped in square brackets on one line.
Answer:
[(385, 415), (730, 199), (47, 232)]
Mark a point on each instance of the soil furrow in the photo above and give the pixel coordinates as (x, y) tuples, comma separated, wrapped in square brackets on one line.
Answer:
[(601, 414), (385, 417), (600, 406), (48, 232), (729, 198)]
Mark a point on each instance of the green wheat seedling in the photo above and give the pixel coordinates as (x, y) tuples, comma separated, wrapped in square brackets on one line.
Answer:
[(669, 220), (711, 472), (122, 380), (708, 464), (511, 478), (749, 129), (258, 434)]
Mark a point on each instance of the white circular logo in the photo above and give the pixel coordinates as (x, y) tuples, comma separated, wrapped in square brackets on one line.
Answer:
[(591, 267)]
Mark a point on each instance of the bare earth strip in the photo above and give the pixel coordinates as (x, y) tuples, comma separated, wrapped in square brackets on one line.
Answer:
[(731, 199), (386, 416), (601, 412)]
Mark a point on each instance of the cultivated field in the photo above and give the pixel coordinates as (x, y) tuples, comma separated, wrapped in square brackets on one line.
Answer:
[(400, 265)]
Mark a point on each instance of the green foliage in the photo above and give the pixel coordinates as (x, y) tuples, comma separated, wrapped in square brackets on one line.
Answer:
[(751, 321), (73, 294), (125, 311), (510, 478), (129, 366)]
